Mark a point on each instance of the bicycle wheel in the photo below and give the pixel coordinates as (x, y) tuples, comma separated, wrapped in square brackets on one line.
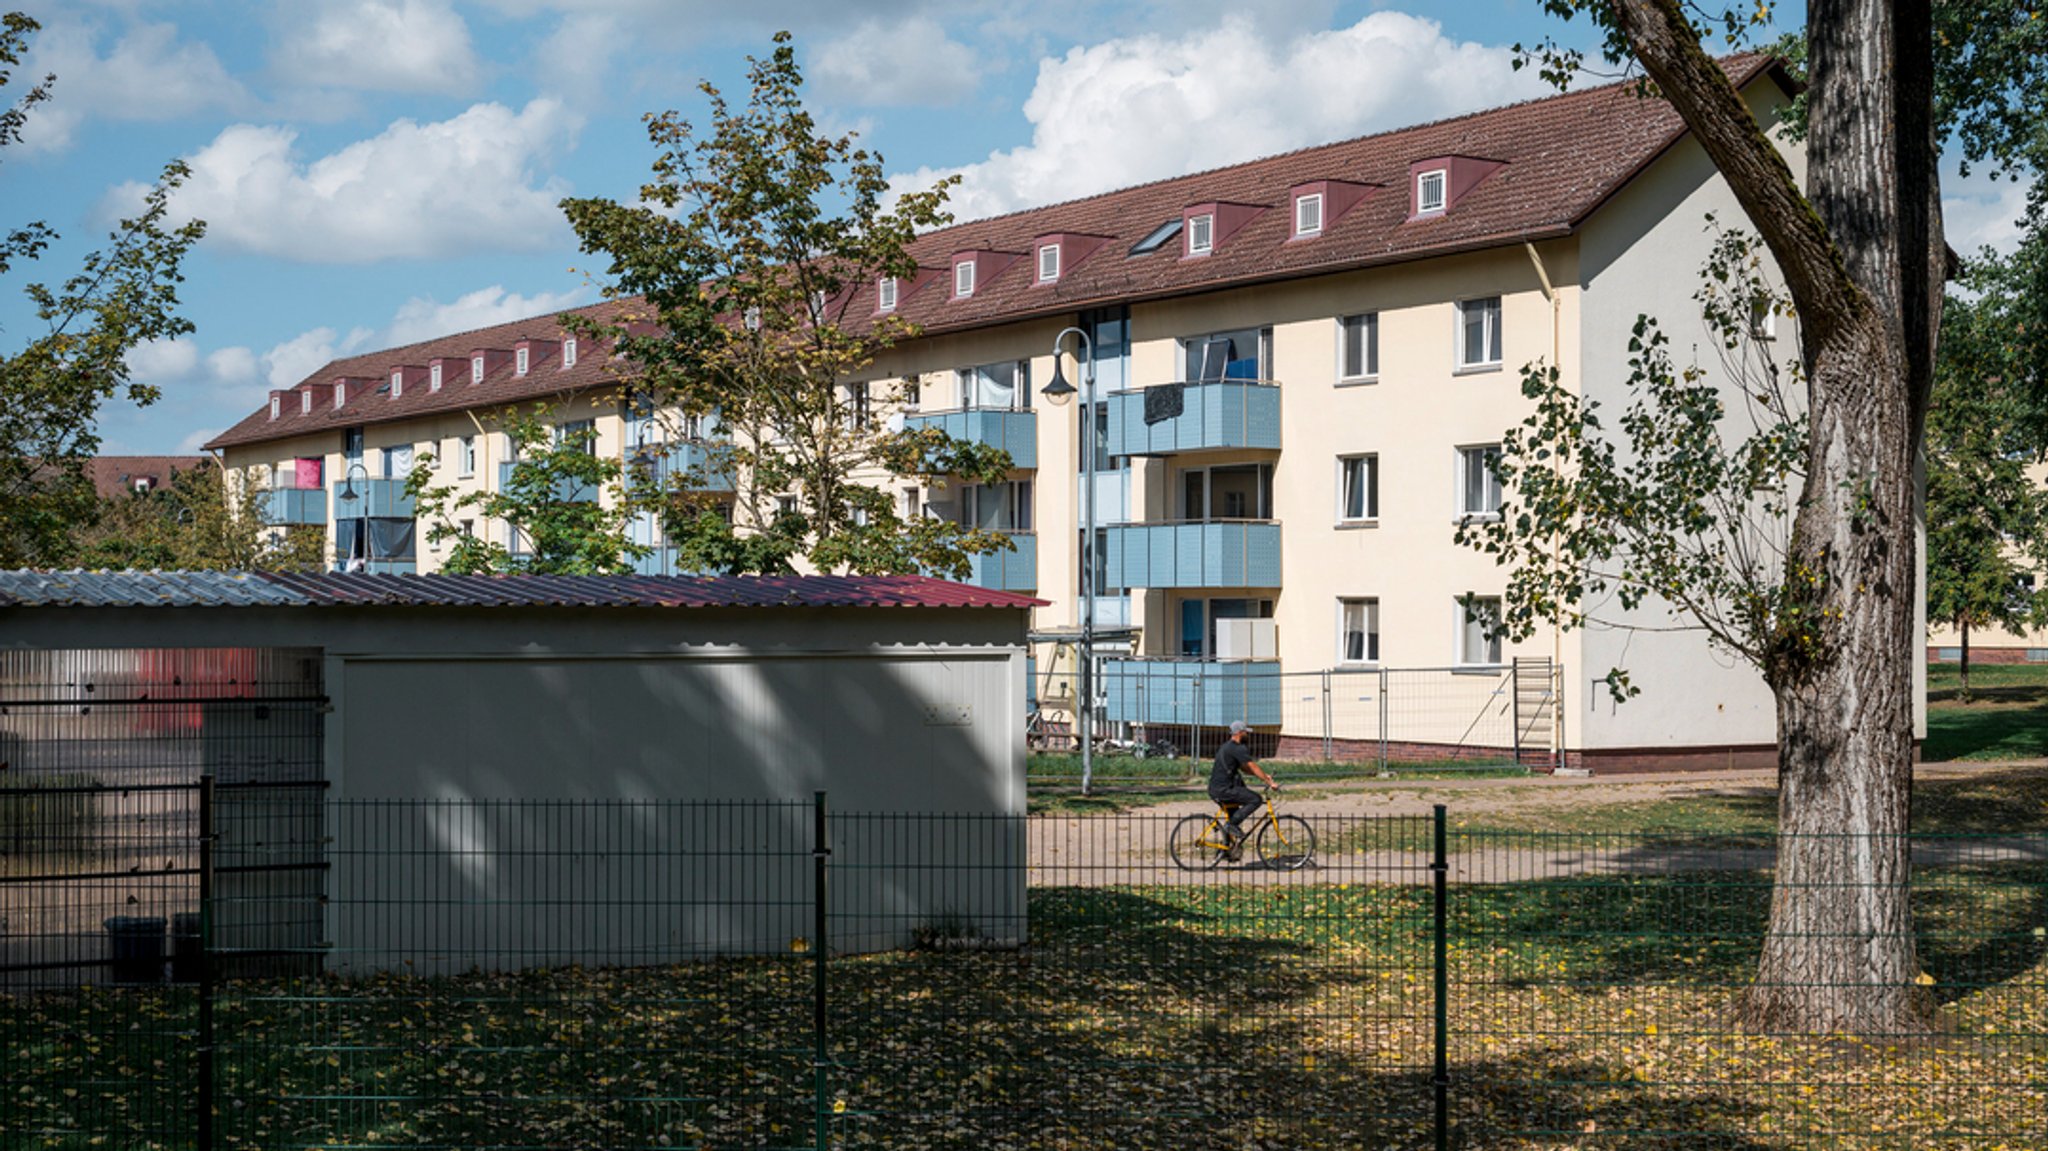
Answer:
[(1287, 843), (1193, 847)]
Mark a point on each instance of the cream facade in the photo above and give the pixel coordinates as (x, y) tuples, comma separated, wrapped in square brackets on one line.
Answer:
[(1295, 519)]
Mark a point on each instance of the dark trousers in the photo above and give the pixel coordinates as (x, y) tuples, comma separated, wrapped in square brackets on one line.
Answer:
[(1246, 801)]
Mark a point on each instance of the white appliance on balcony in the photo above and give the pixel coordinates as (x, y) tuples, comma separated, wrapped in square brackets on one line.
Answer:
[(1247, 639)]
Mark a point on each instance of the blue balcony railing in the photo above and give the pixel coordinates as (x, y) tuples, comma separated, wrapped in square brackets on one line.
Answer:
[(662, 562), (293, 506), (1195, 554), (1229, 414), (1014, 432), (381, 499), (566, 490), (1013, 570), (1187, 691), (704, 462)]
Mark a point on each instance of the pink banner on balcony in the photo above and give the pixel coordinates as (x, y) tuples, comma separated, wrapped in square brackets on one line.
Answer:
[(308, 478)]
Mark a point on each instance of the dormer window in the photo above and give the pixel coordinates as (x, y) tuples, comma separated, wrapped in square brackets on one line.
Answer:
[(397, 382), (1308, 214), (434, 377), (885, 294), (276, 407), (1048, 263), (569, 352), (519, 361), (340, 394), (476, 369), (1429, 192), (963, 279), (1201, 235), (306, 403)]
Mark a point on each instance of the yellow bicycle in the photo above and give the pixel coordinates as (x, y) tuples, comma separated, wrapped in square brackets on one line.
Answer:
[(1283, 842)]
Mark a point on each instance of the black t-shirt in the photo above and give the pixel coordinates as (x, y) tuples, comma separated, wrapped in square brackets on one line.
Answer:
[(1229, 770)]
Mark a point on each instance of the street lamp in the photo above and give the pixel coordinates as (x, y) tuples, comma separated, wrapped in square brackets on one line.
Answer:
[(349, 495), (1057, 393)]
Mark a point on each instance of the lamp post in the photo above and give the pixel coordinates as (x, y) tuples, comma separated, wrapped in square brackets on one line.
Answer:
[(1057, 393), (349, 496)]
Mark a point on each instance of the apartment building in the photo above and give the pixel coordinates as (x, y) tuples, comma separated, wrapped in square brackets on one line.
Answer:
[(1297, 371)]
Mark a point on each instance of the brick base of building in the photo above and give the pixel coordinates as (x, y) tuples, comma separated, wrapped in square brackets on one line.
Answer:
[(1311, 748), (1981, 654)]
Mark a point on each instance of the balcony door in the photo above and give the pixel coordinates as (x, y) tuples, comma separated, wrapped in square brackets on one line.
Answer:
[(1198, 619), (1233, 492)]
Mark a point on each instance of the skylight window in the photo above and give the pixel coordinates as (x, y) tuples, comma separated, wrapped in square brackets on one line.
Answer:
[(1201, 235), (1429, 192), (1158, 238)]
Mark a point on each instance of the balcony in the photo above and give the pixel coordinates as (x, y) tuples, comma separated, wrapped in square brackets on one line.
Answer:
[(1014, 570), (380, 567), (380, 499), (566, 490), (1014, 432), (1218, 416), (705, 461), (1194, 554), (1190, 691), (293, 506)]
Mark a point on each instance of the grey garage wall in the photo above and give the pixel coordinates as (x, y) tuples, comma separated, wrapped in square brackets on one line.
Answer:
[(895, 737)]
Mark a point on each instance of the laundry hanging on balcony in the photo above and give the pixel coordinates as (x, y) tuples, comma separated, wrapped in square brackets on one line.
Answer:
[(1164, 402)]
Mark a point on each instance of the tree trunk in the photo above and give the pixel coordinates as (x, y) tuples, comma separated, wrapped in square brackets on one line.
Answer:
[(1859, 254), (1963, 692)]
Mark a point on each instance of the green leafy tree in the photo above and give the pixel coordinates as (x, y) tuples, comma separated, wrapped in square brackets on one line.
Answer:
[(1987, 519), (52, 387), (746, 249), (195, 523), (551, 500), (1831, 624)]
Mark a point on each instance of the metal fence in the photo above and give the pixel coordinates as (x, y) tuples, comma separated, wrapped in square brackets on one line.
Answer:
[(637, 975), (1163, 719)]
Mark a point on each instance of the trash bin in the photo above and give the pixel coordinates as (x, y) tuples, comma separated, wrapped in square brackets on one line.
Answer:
[(135, 945), (185, 947)]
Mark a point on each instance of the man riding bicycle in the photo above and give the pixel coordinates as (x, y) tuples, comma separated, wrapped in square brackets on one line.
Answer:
[(1226, 783)]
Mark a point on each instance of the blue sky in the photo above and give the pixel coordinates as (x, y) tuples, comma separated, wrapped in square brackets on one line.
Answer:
[(378, 171)]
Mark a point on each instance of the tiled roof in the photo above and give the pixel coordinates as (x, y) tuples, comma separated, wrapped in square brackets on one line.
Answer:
[(334, 589), (116, 475), (1561, 158)]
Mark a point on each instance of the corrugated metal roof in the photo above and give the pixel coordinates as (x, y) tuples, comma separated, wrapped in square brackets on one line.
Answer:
[(334, 589)]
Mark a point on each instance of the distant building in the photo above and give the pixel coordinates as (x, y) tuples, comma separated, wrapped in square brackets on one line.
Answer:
[(1332, 338), (122, 475)]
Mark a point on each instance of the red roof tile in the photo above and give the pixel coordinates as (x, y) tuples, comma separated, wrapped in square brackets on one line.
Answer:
[(116, 475), (1561, 157)]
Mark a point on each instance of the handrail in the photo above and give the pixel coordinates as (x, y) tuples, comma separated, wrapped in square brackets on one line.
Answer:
[(1142, 388)]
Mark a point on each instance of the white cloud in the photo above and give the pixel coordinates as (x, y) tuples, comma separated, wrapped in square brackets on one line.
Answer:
[(290, 362), (1978, 210), (162, 360), (575, 60), (1147, 107), (233, 366), (902, 62), (379, 45), (415, 191), (148, 75), (423, 319)]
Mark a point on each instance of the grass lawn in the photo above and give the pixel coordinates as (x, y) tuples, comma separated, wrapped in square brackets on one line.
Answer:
[(1139, 1018), (2006, 717)]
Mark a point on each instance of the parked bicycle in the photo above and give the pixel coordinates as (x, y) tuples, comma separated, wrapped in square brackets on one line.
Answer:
[(1282, 842)]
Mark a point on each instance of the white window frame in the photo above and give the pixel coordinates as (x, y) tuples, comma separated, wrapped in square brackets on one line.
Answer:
[(1370, 607), (465, 456), (1368, 347), (859, 405), (434, 378), (476, 369), (1439, 180), (1202, 234), (521, 360), (569, 352), (276, 406), (885, 294), (397, 383), (1302, 202), (1370, 462), (963, 279), (1494, 647), (911, 393), (1490, 334), (1047, 275), (1468, 454)]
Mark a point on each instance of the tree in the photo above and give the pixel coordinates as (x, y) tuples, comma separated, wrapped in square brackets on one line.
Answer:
[(551, 501), (1835, 637), (1987, 519), (741, 262), (195, 523), (51, 389)]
